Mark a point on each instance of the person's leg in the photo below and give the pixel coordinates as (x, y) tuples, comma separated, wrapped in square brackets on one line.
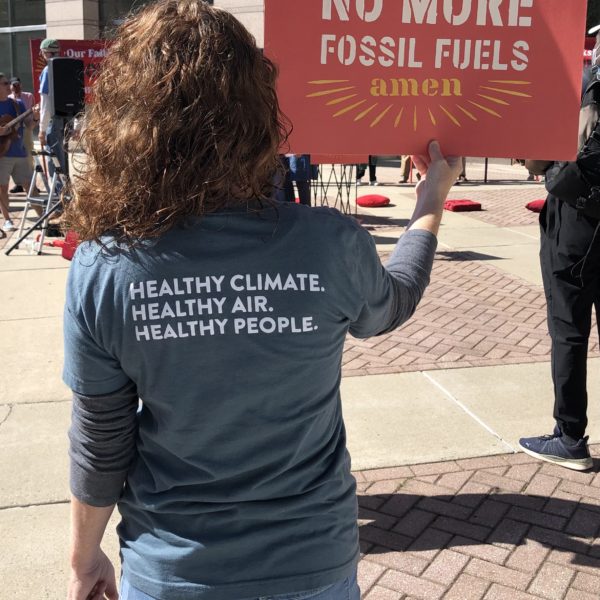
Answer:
[(22, 172), (55, 137), (571, 323), (5, 171), (304, 192), (360, 172), (574, 283), (569, 296), (28, 142), (372, 170), (372, 173), (405, 168), (284, 185), (463, 173), (4, 206)]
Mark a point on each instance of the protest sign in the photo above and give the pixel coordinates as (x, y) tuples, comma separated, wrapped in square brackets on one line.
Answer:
[(91, 52), (338, 159), (486, 77)]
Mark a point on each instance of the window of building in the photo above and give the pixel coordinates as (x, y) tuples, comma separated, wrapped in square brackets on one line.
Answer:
[(4, 13), (20, 21), (28, 12)]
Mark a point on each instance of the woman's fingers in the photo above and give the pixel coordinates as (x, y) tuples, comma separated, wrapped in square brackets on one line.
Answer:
[(435, 152), (435, 156), (421, 163), (455, 164)]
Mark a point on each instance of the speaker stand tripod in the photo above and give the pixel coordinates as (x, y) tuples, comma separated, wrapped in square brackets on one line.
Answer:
[(52, 204)]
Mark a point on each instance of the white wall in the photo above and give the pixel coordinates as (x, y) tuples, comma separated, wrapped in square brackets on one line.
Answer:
[(72, 19), (250, 13)]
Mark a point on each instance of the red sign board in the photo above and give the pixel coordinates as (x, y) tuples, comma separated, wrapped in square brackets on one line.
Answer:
[(91, 52), (338, 159), (485, 77)]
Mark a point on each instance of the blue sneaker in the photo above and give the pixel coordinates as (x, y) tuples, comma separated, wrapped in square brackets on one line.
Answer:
[(553, 448)]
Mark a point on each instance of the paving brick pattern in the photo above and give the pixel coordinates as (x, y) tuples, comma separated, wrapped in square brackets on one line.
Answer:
[(473, 314), (503, 207), (503, 527)]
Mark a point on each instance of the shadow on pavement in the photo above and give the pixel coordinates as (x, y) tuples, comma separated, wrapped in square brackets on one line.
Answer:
[(465, 255), (370, 222), (416, 523)]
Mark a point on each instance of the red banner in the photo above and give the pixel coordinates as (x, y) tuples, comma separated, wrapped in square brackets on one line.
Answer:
[(590, 42), (485, 77), (91, 52)]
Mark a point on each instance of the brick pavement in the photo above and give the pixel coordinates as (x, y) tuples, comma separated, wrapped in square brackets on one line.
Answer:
[(502, 527), (503, 207), (472, 314)]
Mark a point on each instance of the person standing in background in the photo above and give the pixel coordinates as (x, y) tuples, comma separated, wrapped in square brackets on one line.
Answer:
[(570, 262), (297, 169), (14, 162), (405, 168), (462, 177), (28, 100), (302, 172), (361, 169), (52, 127)]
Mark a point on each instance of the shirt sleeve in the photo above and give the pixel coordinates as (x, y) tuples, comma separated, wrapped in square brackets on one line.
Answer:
[(102, 445), (88, 368), (391, 294), (44, 81), (44, 113)]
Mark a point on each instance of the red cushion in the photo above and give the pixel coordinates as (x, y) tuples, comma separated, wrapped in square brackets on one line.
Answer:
[(70, 245), (535, 205), (461, 205), (372, 200)]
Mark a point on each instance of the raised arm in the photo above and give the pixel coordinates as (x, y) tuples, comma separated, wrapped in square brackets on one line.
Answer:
[(438, 173), (390, 295)]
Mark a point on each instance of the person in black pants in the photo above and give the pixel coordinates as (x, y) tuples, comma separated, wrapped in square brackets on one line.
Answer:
[(570, 261), (297, 168), (361, 169)]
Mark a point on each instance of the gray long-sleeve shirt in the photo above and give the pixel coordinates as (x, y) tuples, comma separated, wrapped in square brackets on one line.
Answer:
[(234, 479)]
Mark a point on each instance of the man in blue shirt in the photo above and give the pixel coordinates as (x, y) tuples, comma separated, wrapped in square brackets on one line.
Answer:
[(14, 161), (52, 127)]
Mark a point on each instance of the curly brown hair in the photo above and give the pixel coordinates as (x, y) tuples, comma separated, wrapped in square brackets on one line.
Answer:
[(185, 121)]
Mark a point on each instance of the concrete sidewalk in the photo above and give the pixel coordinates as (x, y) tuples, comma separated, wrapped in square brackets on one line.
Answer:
[(433, 413)]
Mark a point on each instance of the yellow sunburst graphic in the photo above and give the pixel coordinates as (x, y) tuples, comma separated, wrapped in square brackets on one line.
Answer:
[(492, 98)]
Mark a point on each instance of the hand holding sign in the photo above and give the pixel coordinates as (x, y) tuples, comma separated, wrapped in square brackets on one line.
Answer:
[(438, 173)]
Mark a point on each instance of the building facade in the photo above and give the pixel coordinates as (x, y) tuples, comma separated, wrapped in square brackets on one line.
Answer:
[(24, 20)]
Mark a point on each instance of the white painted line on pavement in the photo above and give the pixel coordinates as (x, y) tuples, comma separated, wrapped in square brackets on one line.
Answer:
[(527, 235), (466, 409)]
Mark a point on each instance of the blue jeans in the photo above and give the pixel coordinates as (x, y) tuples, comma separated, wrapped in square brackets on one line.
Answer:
[(55, 139), (346, 589)]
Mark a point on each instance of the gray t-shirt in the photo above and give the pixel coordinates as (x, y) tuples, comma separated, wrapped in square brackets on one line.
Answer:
[(231, 329)]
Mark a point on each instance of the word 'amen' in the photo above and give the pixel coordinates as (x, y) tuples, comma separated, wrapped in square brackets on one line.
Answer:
[(411, 87)]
